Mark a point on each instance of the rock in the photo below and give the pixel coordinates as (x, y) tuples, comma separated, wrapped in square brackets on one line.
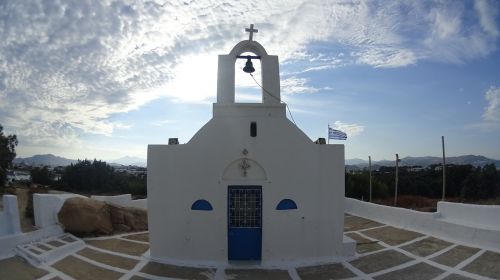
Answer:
[(81, 215), (121, 228), (136, 218), (84, 215), (117, 214), (133, 218)]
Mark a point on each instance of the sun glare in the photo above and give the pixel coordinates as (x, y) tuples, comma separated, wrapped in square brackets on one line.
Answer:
[(195, 79)]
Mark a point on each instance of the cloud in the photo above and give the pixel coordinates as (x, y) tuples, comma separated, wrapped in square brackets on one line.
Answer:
[(162, 122), (455, 35), (66, 67), (487, 12), (351, 130), (492, 111), (385, 57), (294, 85)]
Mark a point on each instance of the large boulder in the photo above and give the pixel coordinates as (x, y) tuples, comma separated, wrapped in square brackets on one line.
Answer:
[(128, 218), (84, 215)]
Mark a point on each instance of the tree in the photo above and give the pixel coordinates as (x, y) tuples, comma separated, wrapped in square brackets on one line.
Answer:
[(42, 176), (98, 177), (88, 176), (8, 145), (357, 186)]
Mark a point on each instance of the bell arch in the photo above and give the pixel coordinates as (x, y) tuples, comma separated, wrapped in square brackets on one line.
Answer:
[(270, 73)]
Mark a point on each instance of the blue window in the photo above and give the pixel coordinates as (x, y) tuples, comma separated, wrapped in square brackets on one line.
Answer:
[(202, 205), (286, 204)]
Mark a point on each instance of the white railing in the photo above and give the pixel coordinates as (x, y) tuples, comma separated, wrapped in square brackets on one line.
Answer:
[(478, 225)]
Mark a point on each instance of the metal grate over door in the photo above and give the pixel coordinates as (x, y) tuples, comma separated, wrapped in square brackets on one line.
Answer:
[(245, 207)]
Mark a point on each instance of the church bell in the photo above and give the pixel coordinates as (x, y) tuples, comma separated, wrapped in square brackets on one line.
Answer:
[(248, 66)]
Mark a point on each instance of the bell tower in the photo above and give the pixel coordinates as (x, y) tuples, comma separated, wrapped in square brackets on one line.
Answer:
[(270, 72)]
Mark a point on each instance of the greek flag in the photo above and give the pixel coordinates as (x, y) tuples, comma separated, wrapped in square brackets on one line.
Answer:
[(336, 134)]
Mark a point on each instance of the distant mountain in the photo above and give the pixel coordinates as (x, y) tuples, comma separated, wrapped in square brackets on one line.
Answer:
[(49, 159), (355, 161), (426, 161), (52, 160), (126, 160)]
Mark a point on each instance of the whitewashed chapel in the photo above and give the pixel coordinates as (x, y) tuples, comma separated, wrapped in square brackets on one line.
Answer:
[(249, 185)]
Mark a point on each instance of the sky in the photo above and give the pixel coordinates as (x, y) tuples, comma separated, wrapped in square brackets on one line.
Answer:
[(103, 79)]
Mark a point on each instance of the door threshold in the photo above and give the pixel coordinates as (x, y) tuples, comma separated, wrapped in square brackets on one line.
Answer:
[(245, 263)]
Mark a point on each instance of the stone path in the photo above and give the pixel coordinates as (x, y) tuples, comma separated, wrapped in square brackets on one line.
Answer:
[(384, 252)]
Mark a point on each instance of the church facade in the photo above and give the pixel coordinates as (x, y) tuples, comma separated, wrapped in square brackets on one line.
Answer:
[(249, 185)]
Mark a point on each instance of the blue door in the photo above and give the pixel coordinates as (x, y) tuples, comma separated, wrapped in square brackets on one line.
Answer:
[(244, 222)]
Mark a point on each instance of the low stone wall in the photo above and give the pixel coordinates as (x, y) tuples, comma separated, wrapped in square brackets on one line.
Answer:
[(10, 228), (46, 207), (124, 200), (9, 217), (448, 224), (483, 216)]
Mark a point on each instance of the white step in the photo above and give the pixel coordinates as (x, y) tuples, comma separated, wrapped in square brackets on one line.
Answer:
[(48, 250)]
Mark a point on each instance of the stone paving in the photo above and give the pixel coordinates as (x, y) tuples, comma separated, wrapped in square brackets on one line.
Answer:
[(383, 252)]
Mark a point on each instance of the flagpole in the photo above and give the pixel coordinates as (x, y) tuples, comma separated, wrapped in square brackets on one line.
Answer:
[(396, 183), (328, 133), (370, 171), (444, 170)]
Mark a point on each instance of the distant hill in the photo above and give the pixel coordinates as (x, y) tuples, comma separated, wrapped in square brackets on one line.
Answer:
[(49, 159), (426, 161), (52, 160), (126, 160), (355, 161)]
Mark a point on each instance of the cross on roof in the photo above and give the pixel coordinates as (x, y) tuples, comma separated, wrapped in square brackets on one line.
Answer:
[(251, 30)]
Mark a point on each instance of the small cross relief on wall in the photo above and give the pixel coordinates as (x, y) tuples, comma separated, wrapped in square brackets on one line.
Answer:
[(244, 166)]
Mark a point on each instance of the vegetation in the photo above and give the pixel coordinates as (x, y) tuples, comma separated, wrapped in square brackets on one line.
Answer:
[(30, 212), (98, 177), (8, 145), (42, 176), (463, 183)]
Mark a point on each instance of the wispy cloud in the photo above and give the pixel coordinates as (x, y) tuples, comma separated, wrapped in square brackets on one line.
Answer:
[(454, 35), (293, 85), (487, 12), (162, 122), (492, 111), (351, 129), (70, 65), (491, 116)]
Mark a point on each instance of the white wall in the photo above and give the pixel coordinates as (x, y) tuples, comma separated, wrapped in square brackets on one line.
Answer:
[(121, 199), (390, 215), (456, 222), (46, 207), (487, 216), (9, 217), (124, 200), (296, 168), (10, 228)]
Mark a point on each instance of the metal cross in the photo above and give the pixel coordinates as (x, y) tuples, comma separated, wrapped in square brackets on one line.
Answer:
[(251, 30)]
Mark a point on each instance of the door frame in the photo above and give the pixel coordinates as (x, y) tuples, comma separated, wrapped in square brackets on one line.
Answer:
[(232, 187)]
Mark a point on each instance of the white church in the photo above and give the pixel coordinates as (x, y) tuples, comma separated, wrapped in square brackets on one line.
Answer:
[(249, 185)]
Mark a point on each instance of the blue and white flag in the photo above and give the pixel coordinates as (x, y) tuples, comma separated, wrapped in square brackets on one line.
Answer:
[(336, 134)]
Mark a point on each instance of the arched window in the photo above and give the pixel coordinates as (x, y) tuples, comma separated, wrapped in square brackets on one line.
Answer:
[(201, 205), (286, 204)]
